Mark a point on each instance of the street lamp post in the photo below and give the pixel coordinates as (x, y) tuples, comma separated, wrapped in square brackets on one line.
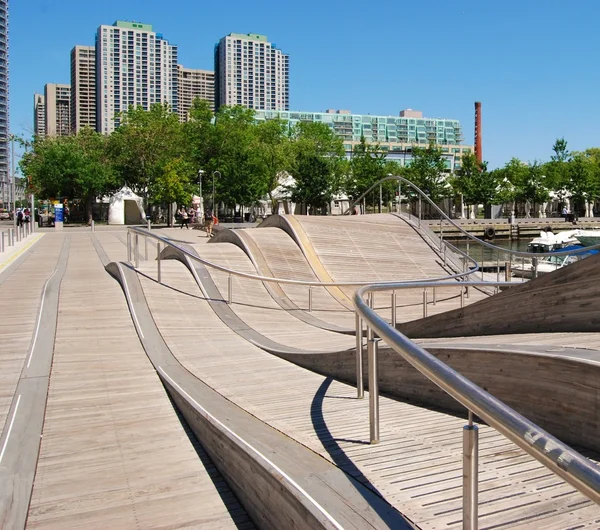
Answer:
[(200, 173), (213, 189), (14, 194)]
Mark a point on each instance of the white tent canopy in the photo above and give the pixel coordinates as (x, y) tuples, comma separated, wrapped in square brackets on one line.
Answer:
[(125, 207)]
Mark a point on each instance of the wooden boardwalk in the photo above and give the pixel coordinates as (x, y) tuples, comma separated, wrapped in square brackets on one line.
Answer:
[(114, 453), (417, 467)]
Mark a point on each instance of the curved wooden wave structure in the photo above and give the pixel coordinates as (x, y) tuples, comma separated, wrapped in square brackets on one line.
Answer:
[(566, 300)]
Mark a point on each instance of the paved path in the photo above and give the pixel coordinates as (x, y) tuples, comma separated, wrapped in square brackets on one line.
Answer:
[(114, 453)]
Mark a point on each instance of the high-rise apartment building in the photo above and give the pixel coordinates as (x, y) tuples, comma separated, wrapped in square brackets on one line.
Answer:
[(194, 84), (4, 121), (83, 88), (58, 109), (134, 67), (39, 115), (252, 72)]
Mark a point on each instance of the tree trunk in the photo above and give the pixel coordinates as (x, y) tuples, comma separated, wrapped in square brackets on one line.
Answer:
[(89, 203)]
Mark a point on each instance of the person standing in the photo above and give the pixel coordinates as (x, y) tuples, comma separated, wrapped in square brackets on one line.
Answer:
[(208, 222)]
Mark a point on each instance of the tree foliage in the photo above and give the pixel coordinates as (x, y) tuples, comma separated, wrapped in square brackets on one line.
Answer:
[(428, 171), (71, 167), (317, 164)]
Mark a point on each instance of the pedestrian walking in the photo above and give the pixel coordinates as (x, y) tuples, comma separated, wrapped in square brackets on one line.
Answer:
[(184, 217)]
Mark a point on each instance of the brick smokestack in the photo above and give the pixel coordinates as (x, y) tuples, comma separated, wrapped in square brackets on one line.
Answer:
[(478, 151)]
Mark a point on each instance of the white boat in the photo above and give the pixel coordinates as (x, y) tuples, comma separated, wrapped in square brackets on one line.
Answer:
[(549, 241), (546, 264), (588, 238)]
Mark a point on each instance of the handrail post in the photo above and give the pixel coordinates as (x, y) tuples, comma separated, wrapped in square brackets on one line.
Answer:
[(373, 387), (158, 270), (470, 474), (229, 288), (137, 251), (434, 296), (310, 298), (146, 248), (425, 302), (360, 385), (462, 297), (394, 314), (534, 268), (419, 211), (441, 235), (148, 221), (128, 246)]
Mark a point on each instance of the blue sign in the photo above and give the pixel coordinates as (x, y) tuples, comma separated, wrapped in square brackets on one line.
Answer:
[(58, 213)]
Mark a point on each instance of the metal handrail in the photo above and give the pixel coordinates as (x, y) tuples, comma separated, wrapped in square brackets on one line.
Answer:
[(470, 236), (313, 283), (551, 452)]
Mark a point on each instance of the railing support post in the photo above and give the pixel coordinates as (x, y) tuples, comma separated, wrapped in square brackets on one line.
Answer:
[(441, 235), (470, 474), (146, 248), (158, 271), (360, 385), (425, 303), (137, 251), (148, 222), (394, 314), (462, 296), (434, 296), (373, 388), (128, 246), (419, 211), (534, 268), (310, 298), (229, 288)]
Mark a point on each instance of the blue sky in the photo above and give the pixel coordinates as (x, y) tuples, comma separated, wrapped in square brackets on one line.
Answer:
[(532, 63)]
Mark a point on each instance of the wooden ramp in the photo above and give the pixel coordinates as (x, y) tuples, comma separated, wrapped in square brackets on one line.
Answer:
[(417, 467)]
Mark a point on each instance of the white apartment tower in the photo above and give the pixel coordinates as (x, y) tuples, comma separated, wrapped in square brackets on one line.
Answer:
[(58, 109), (134, 67), (39, 115), (252, 72), (5, 194), (194, 84), (83, 88)]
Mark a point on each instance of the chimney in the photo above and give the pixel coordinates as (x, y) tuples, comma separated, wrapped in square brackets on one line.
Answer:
[(478, 151)]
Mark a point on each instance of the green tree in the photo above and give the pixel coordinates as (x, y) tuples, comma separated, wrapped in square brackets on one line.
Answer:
[(143, 145), (583, 182), (175, 183), (474, 182), (232, 152), (198, 133), (557, 169), (317, 164), (272, 146), (427, 170), (367, 166), (77, 167)]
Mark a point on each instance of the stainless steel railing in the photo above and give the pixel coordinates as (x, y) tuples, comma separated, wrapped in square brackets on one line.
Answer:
[(551, 452), (133, 255)]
